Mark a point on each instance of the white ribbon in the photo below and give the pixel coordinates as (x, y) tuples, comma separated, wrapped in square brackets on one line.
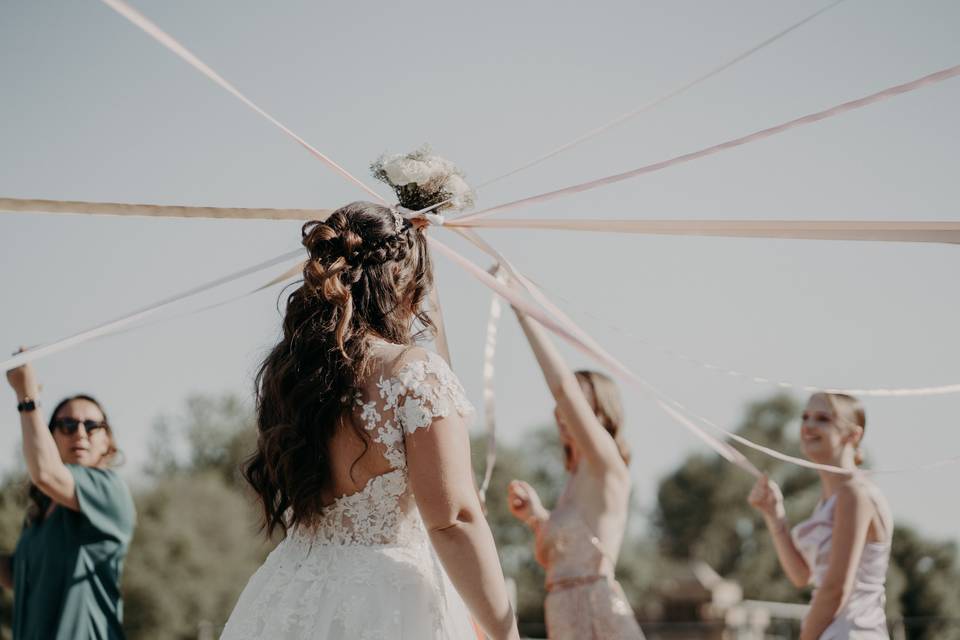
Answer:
[(881, 392), (113, 326), (489, 393)]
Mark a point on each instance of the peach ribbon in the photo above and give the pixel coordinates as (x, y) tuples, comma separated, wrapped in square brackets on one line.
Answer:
[(117, 324), (187, 56), (556, 320), (660, 100), (945, 231), (25, 205), (925, 81)]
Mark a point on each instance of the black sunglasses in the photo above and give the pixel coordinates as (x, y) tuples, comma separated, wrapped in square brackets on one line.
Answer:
[(69, 426)]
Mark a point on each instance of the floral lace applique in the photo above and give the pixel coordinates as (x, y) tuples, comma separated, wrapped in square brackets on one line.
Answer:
[(369, 545), (432, 391)]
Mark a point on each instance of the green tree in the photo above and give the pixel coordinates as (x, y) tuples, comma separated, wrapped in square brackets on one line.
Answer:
[(195, 547), (197, 540), (929, 579), (13, 504)]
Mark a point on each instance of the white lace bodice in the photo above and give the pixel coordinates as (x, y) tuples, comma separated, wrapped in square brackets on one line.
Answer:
[(367, 569), (421, 390)]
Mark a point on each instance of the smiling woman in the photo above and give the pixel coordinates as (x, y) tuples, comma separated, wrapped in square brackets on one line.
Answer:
[(843, 549), (79, 522)]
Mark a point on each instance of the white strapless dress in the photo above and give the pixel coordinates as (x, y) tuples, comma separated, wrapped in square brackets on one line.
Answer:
[(368, 571)]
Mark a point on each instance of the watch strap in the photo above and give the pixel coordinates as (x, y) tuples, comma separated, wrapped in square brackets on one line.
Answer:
[(28, 404)]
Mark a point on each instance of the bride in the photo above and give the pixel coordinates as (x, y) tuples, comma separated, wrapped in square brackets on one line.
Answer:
[(363, 456)]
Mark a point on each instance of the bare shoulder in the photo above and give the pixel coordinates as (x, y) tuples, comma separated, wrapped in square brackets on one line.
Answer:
[(854, 495), (390, 358)]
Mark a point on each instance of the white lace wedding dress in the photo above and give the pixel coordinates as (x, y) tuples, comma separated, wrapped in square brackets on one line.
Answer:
[(368, 570)]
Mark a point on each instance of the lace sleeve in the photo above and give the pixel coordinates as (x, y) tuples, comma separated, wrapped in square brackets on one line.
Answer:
[(426, 389)]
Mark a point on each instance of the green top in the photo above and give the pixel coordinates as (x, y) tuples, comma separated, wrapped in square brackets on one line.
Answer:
[(66, 569)]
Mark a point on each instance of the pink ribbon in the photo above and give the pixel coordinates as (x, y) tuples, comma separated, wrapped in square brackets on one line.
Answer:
[(867, 230), (557, 322), (883, 392), (662, 99), (114, 326), (185, 54), (913, 85), (25, 205)]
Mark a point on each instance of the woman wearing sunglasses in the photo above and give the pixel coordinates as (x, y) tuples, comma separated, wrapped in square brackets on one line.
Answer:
[(65, 571)]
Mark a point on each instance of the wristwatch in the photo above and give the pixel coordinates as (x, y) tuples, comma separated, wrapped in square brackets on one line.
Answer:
[(28, 404)]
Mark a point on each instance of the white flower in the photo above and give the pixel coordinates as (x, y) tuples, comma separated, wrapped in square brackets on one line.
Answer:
[(423, 178), (390, 391), (401, 170), (461, 195), (440, 167), (369, 413)]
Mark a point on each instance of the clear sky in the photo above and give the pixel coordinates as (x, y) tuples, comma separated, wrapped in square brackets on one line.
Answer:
[(92, 109)]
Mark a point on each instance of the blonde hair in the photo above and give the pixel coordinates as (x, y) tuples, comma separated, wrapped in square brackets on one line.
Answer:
[(604, 397), (848, 411)]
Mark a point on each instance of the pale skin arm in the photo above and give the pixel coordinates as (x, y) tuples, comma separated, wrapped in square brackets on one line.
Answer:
[(525, 506), (441, 477), (767, 499), (595, 444), (40, 453), (851, 524), (6, 571)]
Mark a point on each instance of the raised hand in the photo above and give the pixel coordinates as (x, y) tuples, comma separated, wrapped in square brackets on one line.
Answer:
[(524, 502), (767, 498), (23, 380)]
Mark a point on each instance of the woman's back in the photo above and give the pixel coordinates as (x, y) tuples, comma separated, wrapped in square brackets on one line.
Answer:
[(365, 568), (371, 503)]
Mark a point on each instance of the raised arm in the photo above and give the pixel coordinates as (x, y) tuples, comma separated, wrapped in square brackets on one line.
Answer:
[(595, 444), (767, 499), (40, 453), (851, 524)]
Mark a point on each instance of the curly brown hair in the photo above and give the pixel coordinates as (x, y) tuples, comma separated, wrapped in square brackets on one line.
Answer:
[(367, 276)]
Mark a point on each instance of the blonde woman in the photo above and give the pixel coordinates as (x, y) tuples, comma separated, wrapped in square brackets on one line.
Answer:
[(579, 541), (843, 548)]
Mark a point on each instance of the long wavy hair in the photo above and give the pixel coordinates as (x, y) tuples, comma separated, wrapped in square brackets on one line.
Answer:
[(367, 275), (37, 501)]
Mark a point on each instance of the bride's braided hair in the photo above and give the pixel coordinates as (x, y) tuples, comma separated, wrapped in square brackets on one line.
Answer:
[(367, 274)]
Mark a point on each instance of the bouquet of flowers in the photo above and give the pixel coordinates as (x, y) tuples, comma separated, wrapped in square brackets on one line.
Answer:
[(421, 179)]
